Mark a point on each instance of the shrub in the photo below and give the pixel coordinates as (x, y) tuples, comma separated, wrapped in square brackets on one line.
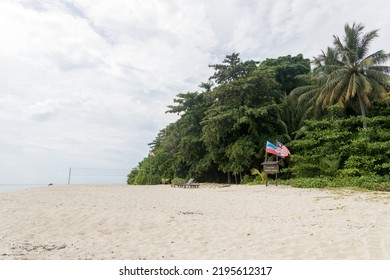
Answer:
[(260, 176), (364, 164), (246, 179), (374, 183), (165, 181), (341, 145), (256, 178), (178, 181), (132, 175), (329, 166)]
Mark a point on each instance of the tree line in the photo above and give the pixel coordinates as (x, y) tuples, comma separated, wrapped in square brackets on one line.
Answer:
[(332, 113)]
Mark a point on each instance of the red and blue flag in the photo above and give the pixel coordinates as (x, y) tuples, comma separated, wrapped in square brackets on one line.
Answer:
[(271, 148), (280, 150)]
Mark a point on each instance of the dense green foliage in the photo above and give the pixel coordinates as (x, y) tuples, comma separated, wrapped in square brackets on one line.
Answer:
[(341, 148), (374, 183), (335, 119)]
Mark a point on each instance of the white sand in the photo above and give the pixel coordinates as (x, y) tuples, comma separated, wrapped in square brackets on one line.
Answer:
[(160, 222)]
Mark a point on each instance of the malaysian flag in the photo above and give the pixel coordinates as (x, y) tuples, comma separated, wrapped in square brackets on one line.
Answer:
[(282, 150)]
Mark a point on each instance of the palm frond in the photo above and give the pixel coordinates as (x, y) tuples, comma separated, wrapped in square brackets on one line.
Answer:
[(379, 76), (352, 88), (381, 69), (376, 58), (366, 41)]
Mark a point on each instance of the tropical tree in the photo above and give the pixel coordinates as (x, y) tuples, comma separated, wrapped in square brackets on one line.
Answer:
[(244, 113), (347, 75), (286, 69), (231, 69), (190, 150)]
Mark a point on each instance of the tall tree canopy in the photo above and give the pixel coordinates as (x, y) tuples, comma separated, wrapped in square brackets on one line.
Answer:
[(231, 69), (286, 69)]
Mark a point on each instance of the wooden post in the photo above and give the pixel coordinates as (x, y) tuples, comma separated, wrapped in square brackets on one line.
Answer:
[(270, 167)]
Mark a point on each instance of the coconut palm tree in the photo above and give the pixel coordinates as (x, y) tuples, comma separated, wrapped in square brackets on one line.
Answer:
[(347, 75), (308, 95)]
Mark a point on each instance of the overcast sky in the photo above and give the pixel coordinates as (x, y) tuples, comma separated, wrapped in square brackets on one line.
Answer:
[(86, 83)]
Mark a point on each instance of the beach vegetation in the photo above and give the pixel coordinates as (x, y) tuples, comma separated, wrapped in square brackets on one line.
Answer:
[(345, 74), (332, 113), (165, 181), (329, 166), (256, 177), (373, 183), (178, 181), (341, 148), (132, 175)]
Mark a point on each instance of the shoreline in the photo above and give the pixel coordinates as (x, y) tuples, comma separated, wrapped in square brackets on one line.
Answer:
[(160, 222), (18, 187)]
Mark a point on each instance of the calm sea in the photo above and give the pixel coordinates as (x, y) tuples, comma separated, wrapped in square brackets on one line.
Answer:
[(17, 187)]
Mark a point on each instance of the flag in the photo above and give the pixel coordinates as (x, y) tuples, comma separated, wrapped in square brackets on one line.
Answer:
[(271, 148), (282, 150)]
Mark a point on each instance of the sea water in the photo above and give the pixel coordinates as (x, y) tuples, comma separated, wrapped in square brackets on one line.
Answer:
[(17, 187)]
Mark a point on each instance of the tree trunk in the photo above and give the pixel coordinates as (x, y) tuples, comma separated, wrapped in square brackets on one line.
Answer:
[(229, 178), (363, 111)]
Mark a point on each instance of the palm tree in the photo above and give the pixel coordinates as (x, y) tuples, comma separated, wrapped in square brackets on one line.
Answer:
[(308, 94), (346, 75)]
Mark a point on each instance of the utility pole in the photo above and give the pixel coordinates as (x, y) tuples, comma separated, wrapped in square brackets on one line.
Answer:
[(70, 173)]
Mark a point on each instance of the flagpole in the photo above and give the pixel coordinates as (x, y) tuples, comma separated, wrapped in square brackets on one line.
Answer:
[(276, 175), (266, 174)]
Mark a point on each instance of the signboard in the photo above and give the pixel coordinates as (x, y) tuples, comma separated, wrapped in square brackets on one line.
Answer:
[(270, 167)]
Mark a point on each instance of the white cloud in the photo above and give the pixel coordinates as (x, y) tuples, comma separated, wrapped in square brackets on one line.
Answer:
[(86, 83)]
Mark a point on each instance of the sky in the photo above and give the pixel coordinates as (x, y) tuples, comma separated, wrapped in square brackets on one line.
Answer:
[(86, 83)]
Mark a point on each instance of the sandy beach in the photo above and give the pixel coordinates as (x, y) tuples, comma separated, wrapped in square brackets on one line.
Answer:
[(211, 222)]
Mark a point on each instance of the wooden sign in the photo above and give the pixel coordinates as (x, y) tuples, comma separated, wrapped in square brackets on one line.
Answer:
[(270, 167)]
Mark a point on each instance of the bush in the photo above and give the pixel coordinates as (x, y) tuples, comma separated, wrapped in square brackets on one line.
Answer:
[(329, 166), (132, 175), (341, 145), (363, 165), (317, 182), (165, 181), (143, 178), (259, 176), (178, 181), (246, 179), (374, 183)]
